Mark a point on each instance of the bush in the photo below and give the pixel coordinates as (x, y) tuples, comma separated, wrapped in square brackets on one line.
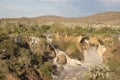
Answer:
[(115, 68), (9, 48), (73, 51), (46, 69), (44, 28), (2, 76)]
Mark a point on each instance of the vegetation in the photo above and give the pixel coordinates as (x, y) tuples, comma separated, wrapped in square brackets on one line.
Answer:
[(34, 62), (114, 62), (18, 59), (100, 72)]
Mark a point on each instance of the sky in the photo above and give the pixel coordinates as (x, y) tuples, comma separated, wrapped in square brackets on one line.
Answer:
[(65, 8)]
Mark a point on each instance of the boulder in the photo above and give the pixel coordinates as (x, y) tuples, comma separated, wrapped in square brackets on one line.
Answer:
[(118, 38), (61, 59), (94, 41), (18, 38), (52, 55), (101, 49), (79, 38)]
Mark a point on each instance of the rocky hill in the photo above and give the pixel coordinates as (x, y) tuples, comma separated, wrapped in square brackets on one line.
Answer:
[(100, 18), (106, 17)]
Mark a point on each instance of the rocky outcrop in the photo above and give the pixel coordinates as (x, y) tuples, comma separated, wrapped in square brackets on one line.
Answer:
[(18, 39), (61, 59), (94, 40), (101, 49), (29, 42), (79, 38), (30, 39), (33, 40), (118, 38), (90, 47)]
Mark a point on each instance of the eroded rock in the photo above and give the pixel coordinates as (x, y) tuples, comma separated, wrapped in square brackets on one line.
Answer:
[(61, 59)]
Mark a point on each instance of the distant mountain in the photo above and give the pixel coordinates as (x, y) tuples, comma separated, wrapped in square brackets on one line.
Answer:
[(100, 18), (105, 17)]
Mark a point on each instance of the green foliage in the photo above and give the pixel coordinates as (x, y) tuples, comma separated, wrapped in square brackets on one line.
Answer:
[(70, 48), (104, 31), (44, 28), (35, 29), (46, 69), (36, 60), (16, 59), (74, 52), (79, 30), (23, 52), (115, 66), (62, 45), (2, 76), (55, 28), (8, 47)]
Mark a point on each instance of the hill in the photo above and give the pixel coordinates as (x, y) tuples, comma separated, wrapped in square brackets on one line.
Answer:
[(99, 18), (105, 17)]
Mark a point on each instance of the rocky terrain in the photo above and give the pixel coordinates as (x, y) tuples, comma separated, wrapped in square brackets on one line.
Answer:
[(58, 48)]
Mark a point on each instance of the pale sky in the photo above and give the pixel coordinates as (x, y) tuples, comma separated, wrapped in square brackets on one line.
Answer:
[(65, 8)]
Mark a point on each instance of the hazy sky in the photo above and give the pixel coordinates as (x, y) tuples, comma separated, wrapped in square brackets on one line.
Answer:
[(67, 8)]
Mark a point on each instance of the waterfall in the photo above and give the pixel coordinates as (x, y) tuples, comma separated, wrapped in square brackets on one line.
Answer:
[(91, 56), (74, 69), (70, 62)]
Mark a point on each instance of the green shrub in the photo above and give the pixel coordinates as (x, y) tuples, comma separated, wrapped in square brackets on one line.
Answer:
[(104, 31), (115, 66), (62, 45), (46, 69), (36, 60), (2, 76), (44, 28), (9, 47)]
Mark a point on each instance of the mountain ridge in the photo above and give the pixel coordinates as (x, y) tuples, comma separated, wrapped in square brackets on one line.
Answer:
[(111, 17)]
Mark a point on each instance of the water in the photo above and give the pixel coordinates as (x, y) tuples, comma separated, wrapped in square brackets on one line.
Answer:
[(92, 57), (74, 69), (70, 62)]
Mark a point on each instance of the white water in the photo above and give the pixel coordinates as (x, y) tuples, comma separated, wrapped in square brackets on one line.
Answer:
[(92, 57), (74, 69)]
